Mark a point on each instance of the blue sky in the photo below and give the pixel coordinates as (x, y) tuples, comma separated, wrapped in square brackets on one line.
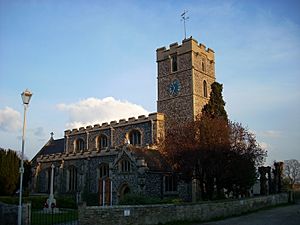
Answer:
[(92, 61)]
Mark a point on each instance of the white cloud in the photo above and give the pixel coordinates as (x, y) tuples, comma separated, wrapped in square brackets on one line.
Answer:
[(10, 119), (264, 145), (271, 134), (92, 111)]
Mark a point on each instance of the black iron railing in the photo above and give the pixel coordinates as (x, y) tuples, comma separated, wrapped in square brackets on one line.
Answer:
[(54, 217)]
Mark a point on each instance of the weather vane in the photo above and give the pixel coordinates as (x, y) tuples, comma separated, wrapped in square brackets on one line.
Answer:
[(184, 18)]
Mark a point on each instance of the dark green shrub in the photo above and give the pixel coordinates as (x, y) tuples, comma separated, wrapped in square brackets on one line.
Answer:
[(66, 201), (91, 199), (9, 200), (37, 202), (171, 200)]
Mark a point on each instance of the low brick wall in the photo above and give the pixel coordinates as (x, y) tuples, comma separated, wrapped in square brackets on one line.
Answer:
[(155, 214)]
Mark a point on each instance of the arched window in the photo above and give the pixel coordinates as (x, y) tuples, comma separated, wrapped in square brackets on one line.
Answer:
[(78, 145), (135, 137), (101, 142), (72, 178), (174, 63), (124, 166), (103, 170), (205, 89)]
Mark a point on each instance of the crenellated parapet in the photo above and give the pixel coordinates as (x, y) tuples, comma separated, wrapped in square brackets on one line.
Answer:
[(185, 74), (115, 124), (187, 45), (149, 130)]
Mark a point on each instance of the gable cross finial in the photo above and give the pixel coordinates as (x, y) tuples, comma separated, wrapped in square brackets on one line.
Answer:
[(184, 18), (52, 134)]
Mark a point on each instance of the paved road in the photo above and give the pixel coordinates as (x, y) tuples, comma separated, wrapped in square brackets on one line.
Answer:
[(286, 215)]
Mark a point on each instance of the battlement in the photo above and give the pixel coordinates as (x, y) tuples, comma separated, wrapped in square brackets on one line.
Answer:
[(187, 45), (113, 124)]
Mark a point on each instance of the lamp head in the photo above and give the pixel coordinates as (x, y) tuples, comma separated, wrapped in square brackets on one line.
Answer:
[(26, 95)]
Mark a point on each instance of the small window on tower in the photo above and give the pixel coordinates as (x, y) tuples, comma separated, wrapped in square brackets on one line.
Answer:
[(205, 89), (203, 66), (174, 63)]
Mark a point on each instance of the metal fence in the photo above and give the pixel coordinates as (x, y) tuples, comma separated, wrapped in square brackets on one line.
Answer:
[(54, 217)]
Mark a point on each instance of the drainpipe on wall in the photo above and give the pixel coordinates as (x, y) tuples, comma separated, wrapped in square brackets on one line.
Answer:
[(66, 146), (111, 137), (87, 140), (152, 131)]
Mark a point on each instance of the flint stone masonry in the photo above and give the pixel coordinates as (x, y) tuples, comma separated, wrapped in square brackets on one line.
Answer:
[(195, 64), (151, 128), (155, 214)]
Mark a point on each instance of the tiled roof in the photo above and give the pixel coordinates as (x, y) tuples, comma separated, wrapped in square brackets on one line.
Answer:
[(154, 159), (51, 147)]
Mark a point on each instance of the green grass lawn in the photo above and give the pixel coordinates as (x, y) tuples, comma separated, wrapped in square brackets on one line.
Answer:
[(38, 201), (38, 217)]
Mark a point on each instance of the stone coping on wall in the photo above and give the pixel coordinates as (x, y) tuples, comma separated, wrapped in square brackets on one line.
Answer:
[(78, 155), (114, 124), (155, 214), (84, 154)]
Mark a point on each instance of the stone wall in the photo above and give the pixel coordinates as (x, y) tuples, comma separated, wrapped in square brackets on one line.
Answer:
[(9, 214), (154, 214)]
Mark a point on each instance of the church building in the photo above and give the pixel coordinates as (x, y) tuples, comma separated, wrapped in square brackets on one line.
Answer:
[(120, 157)]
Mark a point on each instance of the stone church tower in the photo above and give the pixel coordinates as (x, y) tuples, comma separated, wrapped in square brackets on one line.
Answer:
[(185, 75), (109, 160)]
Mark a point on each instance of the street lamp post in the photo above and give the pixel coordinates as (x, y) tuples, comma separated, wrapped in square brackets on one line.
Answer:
[(26, 95)]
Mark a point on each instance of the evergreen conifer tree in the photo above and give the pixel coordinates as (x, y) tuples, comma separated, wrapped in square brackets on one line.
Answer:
[(215, 108)]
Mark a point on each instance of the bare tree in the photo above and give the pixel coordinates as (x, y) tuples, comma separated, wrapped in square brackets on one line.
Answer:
[(292, 171)]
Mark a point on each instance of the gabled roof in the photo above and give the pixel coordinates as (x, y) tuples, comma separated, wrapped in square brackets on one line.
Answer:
[(124, 153), (51, 147), (154, 159)]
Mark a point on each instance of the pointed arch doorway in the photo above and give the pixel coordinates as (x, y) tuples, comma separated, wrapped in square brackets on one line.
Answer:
[(123, 190)]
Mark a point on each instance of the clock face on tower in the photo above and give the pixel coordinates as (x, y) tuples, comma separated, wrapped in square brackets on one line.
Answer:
[(174, 87)]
